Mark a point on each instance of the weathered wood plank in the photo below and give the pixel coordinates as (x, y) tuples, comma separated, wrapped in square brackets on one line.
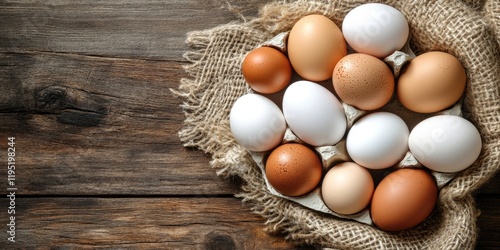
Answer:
[(489, 228), (119, 28), (92, 125), (491, 187), (163, 223), (137, 223)]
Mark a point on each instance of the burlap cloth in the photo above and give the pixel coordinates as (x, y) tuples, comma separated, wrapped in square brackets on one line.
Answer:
[(468, 29)]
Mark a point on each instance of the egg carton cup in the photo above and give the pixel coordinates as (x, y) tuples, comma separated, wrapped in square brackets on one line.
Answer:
[(332, 155)]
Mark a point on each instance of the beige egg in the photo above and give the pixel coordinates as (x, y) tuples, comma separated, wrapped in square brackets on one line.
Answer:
[(347, 188), (363, 81), (431, 82), (315, 45)]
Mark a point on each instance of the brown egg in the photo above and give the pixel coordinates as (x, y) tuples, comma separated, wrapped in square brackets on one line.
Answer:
[(315, 45), (266, 70), (363, 81), (403, 199), (293, 169), (431, 82)]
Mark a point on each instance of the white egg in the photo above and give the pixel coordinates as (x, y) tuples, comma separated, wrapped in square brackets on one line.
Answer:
[(445, 143), (257, 123), (378, 140), (314, 114), (375, 29)]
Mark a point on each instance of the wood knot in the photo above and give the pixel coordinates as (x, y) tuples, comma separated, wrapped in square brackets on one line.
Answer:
[(53, 97), (219, 241), (72, 106)]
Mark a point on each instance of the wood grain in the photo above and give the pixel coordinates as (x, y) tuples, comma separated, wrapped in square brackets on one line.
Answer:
[(87, 125), (119, 28), (84, 89), (488, 220), (139, 223)]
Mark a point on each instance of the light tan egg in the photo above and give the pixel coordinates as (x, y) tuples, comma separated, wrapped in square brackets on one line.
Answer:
[(315, 45), (431, 82)]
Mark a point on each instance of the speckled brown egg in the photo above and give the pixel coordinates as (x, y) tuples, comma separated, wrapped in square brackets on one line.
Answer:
[(293, 169), (266, 70), (363, 81), (431, 82), (403, 199)]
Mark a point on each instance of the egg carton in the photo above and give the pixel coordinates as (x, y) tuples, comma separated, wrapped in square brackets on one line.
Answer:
[(335, 154)]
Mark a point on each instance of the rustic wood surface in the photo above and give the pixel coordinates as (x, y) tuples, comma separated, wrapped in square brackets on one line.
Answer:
[(84, 89)]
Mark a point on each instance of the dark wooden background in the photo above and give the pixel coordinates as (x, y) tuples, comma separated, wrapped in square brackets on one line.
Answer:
[(84, 89)]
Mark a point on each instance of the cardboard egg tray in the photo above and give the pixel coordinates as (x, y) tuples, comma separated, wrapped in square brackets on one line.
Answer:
[(334, 154)]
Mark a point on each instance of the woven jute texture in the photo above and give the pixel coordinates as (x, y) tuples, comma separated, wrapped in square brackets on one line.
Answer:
[(468, 29)]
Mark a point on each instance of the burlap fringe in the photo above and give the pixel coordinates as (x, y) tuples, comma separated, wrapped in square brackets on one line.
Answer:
[(469, 29)]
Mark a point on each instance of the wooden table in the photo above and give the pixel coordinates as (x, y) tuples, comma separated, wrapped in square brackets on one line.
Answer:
[(84, 95)]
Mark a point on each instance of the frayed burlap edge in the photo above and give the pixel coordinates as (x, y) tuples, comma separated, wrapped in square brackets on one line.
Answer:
[(467, 29)]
